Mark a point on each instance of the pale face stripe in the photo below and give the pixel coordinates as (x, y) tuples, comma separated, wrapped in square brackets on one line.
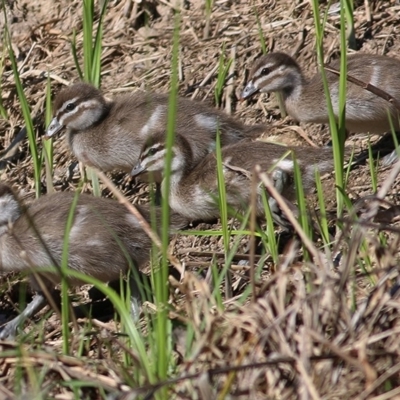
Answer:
[(154, 162), (64, 106), (269, 65), (82, 106)]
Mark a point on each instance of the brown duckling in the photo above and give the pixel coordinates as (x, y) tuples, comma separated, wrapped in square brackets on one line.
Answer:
[(305, 99), (194, 188), (105, 240), (110, 134)]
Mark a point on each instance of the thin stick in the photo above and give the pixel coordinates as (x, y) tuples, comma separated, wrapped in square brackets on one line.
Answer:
[(210, 254), (368, 86), (204, 81)]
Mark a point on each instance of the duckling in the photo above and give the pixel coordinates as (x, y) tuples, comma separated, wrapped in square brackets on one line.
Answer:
[(194, 188), (109, 134), (305, 100), (105, 240)]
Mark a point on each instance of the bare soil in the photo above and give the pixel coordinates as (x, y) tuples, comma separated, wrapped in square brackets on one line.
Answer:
[(310, 344)]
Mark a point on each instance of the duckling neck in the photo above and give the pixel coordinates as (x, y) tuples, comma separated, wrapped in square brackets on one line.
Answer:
[(106, 146), (305, 99), (174, 185), (295, 94), (182, 166)]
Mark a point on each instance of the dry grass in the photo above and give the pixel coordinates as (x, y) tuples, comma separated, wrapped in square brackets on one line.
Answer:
[(314, 331)]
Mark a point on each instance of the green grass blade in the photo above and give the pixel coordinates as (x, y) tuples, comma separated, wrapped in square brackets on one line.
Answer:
[(162, 323), (64, 274), (270, 238), (302, 205), (223, 207), (97, 49), (336, 135), (323, 222), (47, 151), (348, 9), (88, 16), (3, 111), (223, 70), (373, 168), (26, 113), (260, 32)]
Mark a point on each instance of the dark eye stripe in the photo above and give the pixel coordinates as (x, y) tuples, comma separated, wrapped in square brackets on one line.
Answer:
[(66, 103), (153, 150)]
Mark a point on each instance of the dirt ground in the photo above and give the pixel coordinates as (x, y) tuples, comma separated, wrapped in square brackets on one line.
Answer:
[(136, 55)]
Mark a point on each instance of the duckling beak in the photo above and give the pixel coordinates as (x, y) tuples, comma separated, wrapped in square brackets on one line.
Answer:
[(249, 90), (138, 169), (53, 128)]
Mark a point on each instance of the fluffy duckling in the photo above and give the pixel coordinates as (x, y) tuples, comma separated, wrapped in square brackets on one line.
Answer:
[(110, 134), (305, 99), (194, 188), (105, 239)]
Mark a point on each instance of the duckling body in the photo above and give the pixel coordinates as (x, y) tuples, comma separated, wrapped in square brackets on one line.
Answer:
[(194, 188), (104, 242), (110, 134), (305, 100)]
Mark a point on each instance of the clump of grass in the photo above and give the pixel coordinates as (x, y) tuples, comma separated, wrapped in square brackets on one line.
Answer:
[(223, 70), (92, 43)]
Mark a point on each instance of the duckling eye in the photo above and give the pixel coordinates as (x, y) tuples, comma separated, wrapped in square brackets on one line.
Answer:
[(70, 106), (152, 151), (265, 71)]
